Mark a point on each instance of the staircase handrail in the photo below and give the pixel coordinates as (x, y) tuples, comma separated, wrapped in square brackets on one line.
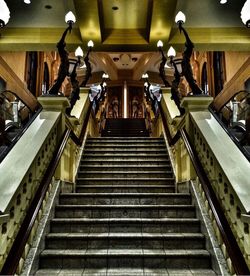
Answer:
[(234, 252), (246, 154), (19, 135), (17, 249), (18, 246)]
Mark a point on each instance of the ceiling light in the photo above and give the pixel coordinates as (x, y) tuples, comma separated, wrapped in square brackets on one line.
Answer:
[(4, 14), (27, 1), (223, 1), (245, 13)]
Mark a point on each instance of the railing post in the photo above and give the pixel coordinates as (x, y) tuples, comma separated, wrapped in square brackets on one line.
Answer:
[(57, 104), (191, 104)]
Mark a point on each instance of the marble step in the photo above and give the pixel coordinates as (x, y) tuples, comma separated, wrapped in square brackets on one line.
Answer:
[(125, 144), (126, 148), (132, 258), (139, 162), (125, 225), (124, 139), (126, 154), (124, 241), (121, 167), (125, 188), (124, 174), (126, 272), (124, 181), (125, 211), (125, 198)]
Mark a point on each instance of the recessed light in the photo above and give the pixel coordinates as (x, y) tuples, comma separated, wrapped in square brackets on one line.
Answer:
[(115, 8), (27, 1), (48, 7), (223, 1)]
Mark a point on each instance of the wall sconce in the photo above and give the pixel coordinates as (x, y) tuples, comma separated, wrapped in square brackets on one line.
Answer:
[(87, 63), (162, 64), (187, 72), (70, 19), (74, 63), (245, 14), (4, 14), (176, 63), (63, 71)]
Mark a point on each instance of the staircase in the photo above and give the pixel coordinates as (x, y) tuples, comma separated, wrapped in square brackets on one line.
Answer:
[(125, 128), (125, 217)]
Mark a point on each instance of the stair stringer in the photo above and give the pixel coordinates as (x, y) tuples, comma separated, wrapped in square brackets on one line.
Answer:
[(218, 261)]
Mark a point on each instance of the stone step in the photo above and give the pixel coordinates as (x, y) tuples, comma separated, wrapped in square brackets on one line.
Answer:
[(123, 157), (125, 188), (124, 241), (125, 148), (126, 154), (125, 139), (123, 162), (117, 258), (130, 168), (126, 272), (125, 198), (124, 174), (125, 144), (124, 211), (125, 225), (124, 181)]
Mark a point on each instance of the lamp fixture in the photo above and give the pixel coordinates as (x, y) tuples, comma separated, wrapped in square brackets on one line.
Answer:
[(163, 63), (180, 18), (105, 76), (87, 63), (245, 13), (90, 44), (187, 72), (159, 44), (171, 52), (70, 19), (79, 52), (64, 67), (4, 14)]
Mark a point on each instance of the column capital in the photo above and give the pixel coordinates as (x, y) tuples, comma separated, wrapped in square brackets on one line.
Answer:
[(196, 103), (54, 103)]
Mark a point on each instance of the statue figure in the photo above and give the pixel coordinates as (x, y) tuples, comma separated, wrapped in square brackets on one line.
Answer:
[(115, 107), (64, 65), (135, 107), (186, 66)]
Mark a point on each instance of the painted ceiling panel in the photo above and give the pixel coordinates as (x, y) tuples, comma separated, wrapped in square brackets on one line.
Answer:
[(130, 14), (134, 26)]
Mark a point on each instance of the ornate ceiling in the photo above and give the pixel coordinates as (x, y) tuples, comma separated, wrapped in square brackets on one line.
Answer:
[(125, 25), (125, 32)]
